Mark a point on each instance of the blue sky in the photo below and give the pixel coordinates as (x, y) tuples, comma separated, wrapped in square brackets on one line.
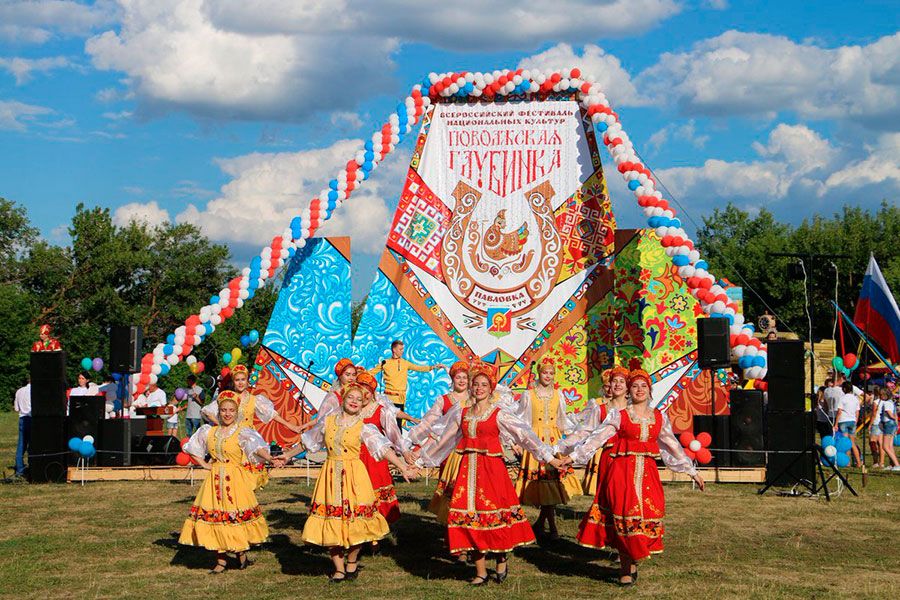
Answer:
[(232, 114)]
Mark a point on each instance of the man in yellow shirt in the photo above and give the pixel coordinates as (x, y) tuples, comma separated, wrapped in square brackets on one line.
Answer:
[(395, 372)]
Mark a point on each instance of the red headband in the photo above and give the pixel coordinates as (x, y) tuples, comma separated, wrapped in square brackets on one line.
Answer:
[(367, 381), (342, 365), (239, 369), (639, 374), (488, 371), (459, 366)]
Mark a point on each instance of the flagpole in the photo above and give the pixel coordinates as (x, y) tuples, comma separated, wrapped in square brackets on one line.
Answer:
[(864, 337)]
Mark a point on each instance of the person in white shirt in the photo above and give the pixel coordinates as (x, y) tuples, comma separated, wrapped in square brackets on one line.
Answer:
[(886, 419), (153, 397), (22, 405), (85, 386), (847, 411)]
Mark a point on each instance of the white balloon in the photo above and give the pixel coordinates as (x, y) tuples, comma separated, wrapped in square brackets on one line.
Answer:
[(695, 445), (153, 378), (216, 319), (172, 359), (156, 369), (751, 351), (830, 451), (244, 294), (191, 359)]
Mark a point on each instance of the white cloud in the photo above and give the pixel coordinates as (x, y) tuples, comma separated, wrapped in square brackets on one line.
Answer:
[(36, 21), (150, 213), (176, 58), (268, 189), (686, 132), (462, 25), (799, 173), (604, 68), (16, 116), (22, 68), (761, 75)]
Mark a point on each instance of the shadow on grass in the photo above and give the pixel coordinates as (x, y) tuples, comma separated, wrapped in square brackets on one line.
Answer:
[(421, 549), (422, 502), (187, 556), (567, 558), (298, 560), (278, 518)]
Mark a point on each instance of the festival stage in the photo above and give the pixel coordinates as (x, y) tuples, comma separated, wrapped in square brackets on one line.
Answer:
[(311, 472)]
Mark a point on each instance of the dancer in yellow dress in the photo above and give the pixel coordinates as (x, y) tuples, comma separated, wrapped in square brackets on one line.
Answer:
[(225, 516), (595, 413), (539, 484), (343, 513), (429, 428)]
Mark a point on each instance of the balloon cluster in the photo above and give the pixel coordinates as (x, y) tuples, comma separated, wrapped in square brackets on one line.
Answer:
[(836, 449), (195, 366), (231, 358), (749, 351), (697, 447), (83, 446), (183, 459), (88, 363), (846, 364), (250, 339)]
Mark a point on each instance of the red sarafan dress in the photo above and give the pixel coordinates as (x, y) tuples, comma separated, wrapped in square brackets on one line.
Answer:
[(379, 470), (628, 509), (485, 514), (600, 461)]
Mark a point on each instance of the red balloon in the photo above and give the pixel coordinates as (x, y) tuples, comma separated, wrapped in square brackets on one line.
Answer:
[(184, 441), (686, 438), (225, 372), (183, 459), (200, 366), (690, 453), (704, 456), (704, 438), (850, 360)]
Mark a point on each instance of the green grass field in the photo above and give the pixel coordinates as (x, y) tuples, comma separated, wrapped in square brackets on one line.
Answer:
[(113, 540)]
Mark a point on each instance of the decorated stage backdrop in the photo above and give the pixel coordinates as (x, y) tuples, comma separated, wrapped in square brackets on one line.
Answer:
[(504, 249), (503, 225), (308, 332)]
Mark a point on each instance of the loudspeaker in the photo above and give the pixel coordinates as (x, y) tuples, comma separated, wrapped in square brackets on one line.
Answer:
[(116, 438), (85, 415), (746, 429), (786, 377), (48, 384), (790, 432), (125, 349), (713, 343), (717, 428), (48, 451), (155, 450)]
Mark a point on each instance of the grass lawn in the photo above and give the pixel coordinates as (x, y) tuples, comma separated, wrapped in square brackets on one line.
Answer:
[(117, 539)]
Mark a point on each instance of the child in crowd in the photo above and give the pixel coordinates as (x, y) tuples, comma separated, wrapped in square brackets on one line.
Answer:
[(172, 420)]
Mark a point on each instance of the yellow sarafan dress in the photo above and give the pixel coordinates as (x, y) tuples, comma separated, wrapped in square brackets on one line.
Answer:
[(225, 516), (250, 407), (344, 510), (540, 484)]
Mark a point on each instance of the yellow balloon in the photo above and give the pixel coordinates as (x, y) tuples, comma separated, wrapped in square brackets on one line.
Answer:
[(236, 353)]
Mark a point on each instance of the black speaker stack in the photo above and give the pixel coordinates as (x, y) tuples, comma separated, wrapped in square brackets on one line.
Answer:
[(48, 451), (790, 428), (713, 343), (125, 349), (746, 429)]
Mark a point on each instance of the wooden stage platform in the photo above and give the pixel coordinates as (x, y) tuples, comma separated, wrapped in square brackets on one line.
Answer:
[(302, 471)]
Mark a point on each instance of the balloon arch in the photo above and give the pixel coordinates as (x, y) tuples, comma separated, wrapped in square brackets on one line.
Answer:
[(521, 83)]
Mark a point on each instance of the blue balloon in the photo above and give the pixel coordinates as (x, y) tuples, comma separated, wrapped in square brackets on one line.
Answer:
[(74, 444), (116, 376), (759, 361), (369, 145), (680, 260), (168, 349), (212, 300), (245, 340), (827, 460), (226, 358), (676, 222), (828, 440), (164, 369), (634, 184), (254, 336), (170, 339), (86, 449), (602, 126), (844, 444), (745, 362), (843, 460), (333, 184), (702, 264)]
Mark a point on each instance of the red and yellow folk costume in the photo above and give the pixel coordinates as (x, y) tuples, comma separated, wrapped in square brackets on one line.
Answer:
[(485, 514), (593, 418), (628, 510), (428, 429), (225, 515), (51, 345), (539, 484), (344, 511)]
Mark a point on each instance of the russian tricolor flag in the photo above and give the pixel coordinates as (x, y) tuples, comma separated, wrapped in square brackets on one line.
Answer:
[(877, 314)]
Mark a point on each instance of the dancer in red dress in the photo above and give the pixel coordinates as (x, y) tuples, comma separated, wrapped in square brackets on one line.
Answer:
[(595, 413), (428, 429), (47, 343), (627, 513), (485, 515), (379, 471)]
